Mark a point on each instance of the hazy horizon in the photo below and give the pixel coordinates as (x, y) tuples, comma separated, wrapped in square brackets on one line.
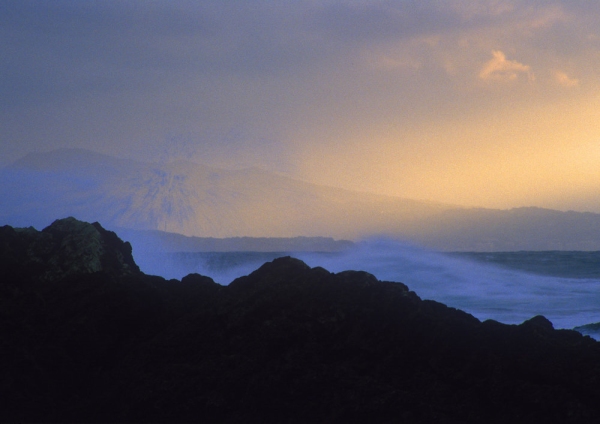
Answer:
[(477, 103), (174, 160)]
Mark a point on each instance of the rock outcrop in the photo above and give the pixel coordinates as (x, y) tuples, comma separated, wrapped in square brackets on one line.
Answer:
[(287, 343), (67, 247)]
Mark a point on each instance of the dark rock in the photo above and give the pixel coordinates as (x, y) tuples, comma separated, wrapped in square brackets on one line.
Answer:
[(198, 280), (539, 321), (101, 341), (67, 247)]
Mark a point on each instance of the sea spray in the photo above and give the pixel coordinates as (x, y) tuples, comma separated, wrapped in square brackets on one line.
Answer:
[(485, 290)]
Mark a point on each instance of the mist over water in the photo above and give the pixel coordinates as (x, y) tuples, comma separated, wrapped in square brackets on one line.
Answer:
[(484, 290)]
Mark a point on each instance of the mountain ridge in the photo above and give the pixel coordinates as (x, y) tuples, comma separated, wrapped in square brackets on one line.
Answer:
[(157, 241), (198, 200), (202, 201)]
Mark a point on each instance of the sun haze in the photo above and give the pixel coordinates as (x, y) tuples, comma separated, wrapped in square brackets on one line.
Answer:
[(477, 103)]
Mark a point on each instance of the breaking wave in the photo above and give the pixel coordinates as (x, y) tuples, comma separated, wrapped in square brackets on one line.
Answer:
[(485, 290)]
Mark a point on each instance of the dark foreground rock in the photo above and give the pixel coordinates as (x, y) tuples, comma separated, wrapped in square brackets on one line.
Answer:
[(87, 337), (67, 247)]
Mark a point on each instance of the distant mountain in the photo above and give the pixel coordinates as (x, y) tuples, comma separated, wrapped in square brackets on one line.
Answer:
[(202, 201), (160, 241), (530, 228), (191, 199)]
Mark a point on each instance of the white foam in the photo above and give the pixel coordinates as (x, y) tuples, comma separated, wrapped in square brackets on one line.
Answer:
[(486, 291)]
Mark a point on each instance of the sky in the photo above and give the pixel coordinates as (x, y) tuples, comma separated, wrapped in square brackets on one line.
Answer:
[(477, 103)]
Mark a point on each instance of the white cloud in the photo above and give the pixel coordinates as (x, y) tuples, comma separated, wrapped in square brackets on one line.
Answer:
[(566, 81), (499, 68)]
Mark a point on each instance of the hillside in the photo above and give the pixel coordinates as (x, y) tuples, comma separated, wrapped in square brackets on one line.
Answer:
[(201, 201), (89, 338), (192, 199), (154, 241)]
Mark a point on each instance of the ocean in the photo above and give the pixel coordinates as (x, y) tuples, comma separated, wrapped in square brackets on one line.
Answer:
[(509, 287)]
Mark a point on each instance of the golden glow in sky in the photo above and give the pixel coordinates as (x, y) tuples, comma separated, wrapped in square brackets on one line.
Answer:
[(479, 103)]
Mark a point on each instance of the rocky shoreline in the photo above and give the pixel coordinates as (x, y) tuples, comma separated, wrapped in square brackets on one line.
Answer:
[(88, 337)]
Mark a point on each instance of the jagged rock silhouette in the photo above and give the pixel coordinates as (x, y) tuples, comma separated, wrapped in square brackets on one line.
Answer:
[(100, 341)]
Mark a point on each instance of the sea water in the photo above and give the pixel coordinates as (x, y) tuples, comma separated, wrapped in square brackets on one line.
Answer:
[(509, 287)]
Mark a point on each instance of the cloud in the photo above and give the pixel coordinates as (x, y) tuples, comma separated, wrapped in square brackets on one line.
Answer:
[(499, 68), (563, 79)]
